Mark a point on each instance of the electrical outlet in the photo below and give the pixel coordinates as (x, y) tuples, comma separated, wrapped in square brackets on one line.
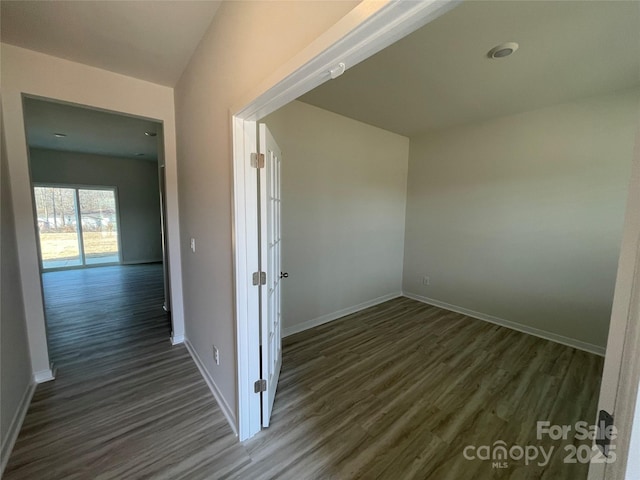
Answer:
[(193, 245), (216, 355), (426, 280)]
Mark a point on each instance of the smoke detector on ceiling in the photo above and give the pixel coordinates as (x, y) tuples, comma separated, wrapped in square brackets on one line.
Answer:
[(504, 50)]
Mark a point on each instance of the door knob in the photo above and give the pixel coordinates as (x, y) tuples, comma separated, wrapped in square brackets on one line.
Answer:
[(284, 275)]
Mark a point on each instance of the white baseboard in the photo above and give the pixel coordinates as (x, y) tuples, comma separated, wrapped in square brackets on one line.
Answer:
[(554, 337), (42, 376), (16, 425), (178, 339), (339, 314), (224, 406)]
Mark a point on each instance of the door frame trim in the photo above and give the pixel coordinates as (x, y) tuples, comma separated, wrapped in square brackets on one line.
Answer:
[(20, 83), (368, 28)]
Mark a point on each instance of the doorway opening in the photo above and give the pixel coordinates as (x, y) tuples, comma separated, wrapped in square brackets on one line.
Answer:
[(98, 199), (303, 77)]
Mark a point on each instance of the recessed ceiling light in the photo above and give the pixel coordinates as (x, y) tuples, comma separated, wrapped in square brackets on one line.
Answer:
[(150, 134), (503, 50), (59, 135)]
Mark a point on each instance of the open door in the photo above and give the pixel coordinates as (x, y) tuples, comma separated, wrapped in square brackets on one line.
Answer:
[(620, 387), (270, 268)]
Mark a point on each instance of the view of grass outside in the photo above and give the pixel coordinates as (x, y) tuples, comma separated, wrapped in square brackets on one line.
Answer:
[(60, 210), (59, 246)]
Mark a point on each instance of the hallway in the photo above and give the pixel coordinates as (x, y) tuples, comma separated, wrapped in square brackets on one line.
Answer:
[(125, 403)]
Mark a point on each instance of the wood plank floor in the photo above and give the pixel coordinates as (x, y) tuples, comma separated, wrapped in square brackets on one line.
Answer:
[(398, 390), (393, 392), (125, 403)]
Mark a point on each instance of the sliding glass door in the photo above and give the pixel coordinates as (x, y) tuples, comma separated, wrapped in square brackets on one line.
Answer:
[(99, 226), (77, 226), (58, 227)]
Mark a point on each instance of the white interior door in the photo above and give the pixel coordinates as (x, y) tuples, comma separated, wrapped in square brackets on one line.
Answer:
[(270, 264), (620, 387)]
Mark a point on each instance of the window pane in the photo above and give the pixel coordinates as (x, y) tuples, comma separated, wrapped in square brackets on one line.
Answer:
[(57, 227), (99, 226)]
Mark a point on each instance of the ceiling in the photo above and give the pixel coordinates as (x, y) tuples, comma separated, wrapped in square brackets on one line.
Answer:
[(440, 75), (149, 40), (89, 131)]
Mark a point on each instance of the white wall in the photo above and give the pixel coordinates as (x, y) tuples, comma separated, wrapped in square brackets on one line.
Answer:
[(343, 211), (15, 364), (138, 194), (246, 42), (37, 74), (520, 217)]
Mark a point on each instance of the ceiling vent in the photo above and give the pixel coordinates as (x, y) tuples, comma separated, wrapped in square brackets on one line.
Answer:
[(503, 50)]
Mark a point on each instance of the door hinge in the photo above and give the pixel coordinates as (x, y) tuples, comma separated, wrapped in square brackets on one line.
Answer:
[(257, 160), (260, 386), (259, 278)]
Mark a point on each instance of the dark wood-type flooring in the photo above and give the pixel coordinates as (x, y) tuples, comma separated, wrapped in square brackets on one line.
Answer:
[(393, 392)]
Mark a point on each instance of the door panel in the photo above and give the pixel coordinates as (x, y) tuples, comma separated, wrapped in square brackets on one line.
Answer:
[(270, 263), (99, 226), (57, 227)]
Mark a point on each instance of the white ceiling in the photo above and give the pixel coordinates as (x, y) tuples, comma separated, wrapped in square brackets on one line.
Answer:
[(150, 40), (440, 75), (89, 131), (436, 77)]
